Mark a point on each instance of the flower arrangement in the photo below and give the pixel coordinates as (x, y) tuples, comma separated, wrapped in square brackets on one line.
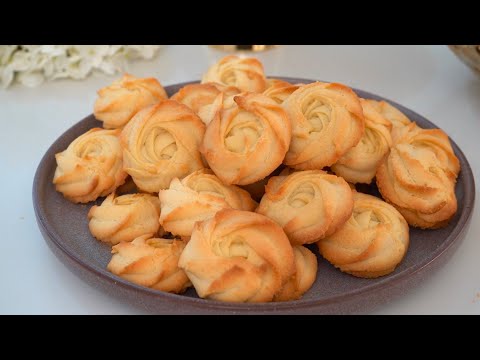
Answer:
[(30, 65)]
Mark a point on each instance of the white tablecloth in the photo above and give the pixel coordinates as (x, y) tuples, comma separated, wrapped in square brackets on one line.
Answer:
[(429, 80)]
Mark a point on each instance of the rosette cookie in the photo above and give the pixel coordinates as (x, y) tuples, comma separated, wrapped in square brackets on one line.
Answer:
[(160, 143), (238, 256), (308, 205), (280, 90), (246, 142), (245, 74), (198, 197), (150, 262), (200, 97), (125, 217), (371, 243), (389, 112), (327, 120), (433, 140), (418, 177), (360, 163), (119, 102), (392, 114), (306, 272), (90, 167)]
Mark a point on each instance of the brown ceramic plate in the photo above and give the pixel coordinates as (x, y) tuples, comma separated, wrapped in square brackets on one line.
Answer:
[(65, 228)]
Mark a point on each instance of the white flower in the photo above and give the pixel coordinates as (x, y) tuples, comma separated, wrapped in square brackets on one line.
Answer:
[(142, 51), (79, 69), (60, 64), (31, 79), (30, 65), (6, 76), (49, 68), (52, 50), (21, 61), (113, 49), (95, 53), (6, 52)]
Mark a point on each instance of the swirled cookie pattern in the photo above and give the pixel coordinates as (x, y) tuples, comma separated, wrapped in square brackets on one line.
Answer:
[(160, 143), (279, 90), (198, 197), (245, 74), (371, 243), (90, 167), (305, 274), (244, 143), (279, 142), (361, 162), (419, 175), (327, 120), (200, 97), (389, 112), (238, 256), (125, 217), (150, 262), (119, 102), (308, 205)]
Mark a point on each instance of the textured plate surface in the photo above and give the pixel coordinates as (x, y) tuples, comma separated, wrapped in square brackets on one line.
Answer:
[(64, 226)]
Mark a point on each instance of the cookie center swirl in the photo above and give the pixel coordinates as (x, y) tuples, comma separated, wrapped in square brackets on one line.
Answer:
[(234, 246), (368, 141), (318, 114), (228, 77), (367, 219), (207, 185), (90, 149), (160, 144), (243, 134), (426, 153), (301, 196)]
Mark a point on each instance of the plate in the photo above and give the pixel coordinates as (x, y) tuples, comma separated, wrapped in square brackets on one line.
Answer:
[(64, 226)]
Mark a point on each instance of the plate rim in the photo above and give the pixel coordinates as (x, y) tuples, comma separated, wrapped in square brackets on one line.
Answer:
[(385, 283)]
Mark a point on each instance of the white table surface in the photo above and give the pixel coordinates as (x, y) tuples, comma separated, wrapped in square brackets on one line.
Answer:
[(429, 80)]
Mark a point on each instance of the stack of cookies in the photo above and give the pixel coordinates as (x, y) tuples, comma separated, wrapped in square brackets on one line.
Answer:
[(223, 185)]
